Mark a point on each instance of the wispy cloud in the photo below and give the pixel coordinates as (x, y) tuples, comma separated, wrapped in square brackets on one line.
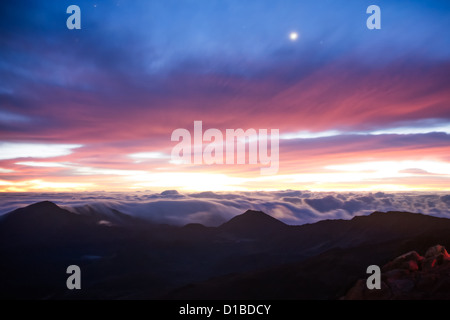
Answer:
[(13, 150), (341, 96)]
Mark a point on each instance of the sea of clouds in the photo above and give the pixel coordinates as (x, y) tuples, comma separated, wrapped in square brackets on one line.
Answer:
[(213, 208)]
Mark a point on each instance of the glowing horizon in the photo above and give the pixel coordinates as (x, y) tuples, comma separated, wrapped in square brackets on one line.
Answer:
[(94, 109)]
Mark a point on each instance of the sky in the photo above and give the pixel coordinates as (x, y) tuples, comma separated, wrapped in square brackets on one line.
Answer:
[(95, 108)]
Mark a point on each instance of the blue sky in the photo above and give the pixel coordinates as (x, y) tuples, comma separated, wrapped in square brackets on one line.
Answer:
[(137, 70)]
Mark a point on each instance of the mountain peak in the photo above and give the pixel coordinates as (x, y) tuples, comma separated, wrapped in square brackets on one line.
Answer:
[(253, 223), (44, 214), (256, 213), (43, 205), (254, 216), (43, 208)]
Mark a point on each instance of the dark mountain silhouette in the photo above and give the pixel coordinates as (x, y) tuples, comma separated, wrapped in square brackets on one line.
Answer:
[(41, 214), (253, 223), (40, 222), (251, 256)]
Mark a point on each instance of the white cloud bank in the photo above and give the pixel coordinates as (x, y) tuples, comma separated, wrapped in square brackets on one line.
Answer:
[(214, 208)]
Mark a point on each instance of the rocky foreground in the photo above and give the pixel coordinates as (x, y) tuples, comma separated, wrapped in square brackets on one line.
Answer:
[(410, 276)]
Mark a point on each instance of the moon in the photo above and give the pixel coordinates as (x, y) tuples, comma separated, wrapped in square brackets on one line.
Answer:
[(293, 36)]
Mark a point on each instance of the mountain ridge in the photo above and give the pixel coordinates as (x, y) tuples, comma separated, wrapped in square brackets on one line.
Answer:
[(249, 216), (141, 260)]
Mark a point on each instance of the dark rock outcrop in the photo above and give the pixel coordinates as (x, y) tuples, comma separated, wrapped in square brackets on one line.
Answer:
[(410, 276)]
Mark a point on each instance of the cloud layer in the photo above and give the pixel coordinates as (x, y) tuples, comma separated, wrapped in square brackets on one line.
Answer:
[(212, 209)]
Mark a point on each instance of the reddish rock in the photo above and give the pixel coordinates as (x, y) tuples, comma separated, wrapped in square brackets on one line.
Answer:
[(410, 277), (437, 250), (408, 261), (435, 256)]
